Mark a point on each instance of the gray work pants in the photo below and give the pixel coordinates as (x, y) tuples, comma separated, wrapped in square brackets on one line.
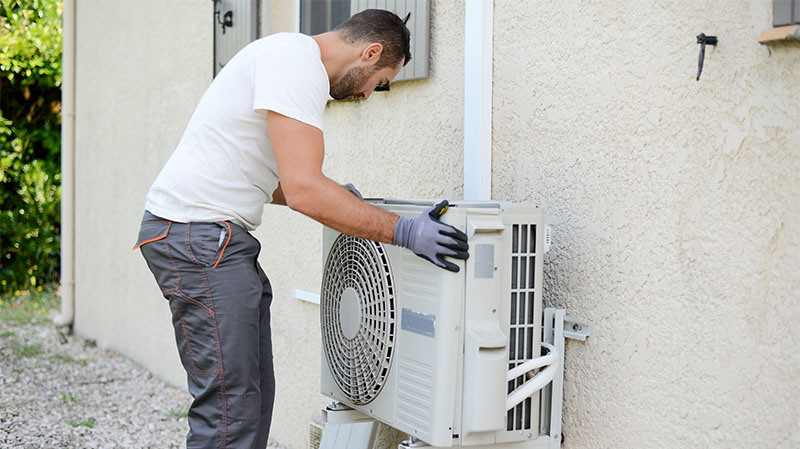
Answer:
[(220, 299)]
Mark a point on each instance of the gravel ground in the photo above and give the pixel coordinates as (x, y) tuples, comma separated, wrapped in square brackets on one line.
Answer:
[(60, 391)]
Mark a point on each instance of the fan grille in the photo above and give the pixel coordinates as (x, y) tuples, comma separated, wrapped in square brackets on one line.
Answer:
[(358, 268)]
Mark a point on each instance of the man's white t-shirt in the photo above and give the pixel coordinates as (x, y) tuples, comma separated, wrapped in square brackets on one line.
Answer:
[(224, 167)]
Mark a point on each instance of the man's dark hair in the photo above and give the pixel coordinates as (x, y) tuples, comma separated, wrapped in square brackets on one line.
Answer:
[(384, 27)]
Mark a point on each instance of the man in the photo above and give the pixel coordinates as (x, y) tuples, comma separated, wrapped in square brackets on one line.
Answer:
[(261, 118)]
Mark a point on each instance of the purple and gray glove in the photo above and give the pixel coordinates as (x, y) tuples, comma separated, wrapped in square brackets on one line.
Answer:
[(353, 190), (431, 239)]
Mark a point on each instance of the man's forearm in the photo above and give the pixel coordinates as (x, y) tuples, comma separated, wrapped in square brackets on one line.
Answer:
[(332, 205)]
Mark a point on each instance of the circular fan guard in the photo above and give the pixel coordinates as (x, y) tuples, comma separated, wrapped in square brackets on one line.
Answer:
[(360, 364)]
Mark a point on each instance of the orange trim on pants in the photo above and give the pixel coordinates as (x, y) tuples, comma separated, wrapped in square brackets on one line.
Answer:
[(156, 238), (225, 246)]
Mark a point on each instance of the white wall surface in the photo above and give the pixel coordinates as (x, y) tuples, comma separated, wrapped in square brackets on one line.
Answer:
[(141, 68), (676, 223)]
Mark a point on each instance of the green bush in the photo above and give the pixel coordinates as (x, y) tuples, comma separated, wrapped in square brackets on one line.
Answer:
[(30, 142)]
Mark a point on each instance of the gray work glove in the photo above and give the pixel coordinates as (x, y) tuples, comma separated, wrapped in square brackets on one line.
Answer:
[(431, 239), (353, 190)]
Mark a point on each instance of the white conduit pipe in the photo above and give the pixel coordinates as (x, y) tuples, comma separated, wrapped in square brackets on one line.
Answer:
[(529, 388), (478, 18), (67, 167), (538, 362)]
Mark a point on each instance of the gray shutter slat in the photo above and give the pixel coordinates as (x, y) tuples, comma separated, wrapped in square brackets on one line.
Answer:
[(796, 15), (407, 72), (418, 26), (422, 38), (781, 12), (243, 31)]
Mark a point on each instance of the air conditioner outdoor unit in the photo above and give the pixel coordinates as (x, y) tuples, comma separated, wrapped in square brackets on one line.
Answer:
[(448, 358)]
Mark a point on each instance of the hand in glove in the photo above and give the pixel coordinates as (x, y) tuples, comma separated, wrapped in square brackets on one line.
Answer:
[(431, 239), (353, 190)]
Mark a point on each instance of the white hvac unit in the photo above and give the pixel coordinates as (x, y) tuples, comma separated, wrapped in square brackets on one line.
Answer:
[(448, 358)]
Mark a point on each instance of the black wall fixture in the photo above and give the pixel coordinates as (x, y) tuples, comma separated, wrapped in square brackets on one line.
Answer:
[(227, 17), (703, 40)]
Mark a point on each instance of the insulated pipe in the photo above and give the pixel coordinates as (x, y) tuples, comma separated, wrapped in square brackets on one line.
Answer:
[(532, 364), (530, 387), (478, 99), (67, 167), (538, 382)]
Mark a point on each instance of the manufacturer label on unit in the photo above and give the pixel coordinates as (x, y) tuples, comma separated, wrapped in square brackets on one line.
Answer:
[(418, 323), (484, 260)]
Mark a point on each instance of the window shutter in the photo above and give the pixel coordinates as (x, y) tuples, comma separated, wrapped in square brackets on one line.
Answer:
[(796, 11), (319, 16), (418, 24), (782, 12), (235, 25)]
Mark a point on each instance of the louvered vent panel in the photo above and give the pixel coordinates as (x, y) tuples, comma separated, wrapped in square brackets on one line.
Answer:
[(522, 324), (414, 391)]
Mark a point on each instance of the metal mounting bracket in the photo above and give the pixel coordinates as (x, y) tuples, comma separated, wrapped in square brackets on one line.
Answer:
[(576, 328), (347, 428), (338, 413), (557, 328)]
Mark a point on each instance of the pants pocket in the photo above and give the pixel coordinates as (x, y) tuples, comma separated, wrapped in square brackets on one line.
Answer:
[(195, 334), (152, 231), (208, 242), (152, 241)]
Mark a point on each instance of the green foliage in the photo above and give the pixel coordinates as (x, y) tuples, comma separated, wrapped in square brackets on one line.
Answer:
[(61, 358), (30, 142), (178, 413), (29, 350), (32, 306), (90, 423), (67, 398)]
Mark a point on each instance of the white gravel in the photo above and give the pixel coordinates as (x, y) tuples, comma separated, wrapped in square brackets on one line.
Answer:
[(60, 391)]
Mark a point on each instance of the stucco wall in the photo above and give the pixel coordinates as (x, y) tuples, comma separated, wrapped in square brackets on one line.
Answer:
[(141, 68), (676, 233), (675, 211)]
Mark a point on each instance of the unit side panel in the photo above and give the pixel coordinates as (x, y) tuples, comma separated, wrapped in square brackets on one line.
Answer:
[(485, 340), (523, 295)]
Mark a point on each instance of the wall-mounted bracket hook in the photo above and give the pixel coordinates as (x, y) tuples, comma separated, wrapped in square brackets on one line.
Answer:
[(227, 18), (703, 40)]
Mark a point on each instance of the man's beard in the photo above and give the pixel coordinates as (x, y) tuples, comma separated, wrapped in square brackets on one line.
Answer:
[(349, 84)]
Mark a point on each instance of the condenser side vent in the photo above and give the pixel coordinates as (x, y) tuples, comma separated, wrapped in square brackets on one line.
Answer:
[(522, 326)]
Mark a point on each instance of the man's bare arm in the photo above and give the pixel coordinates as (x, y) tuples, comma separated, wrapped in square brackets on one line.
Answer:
[(277, 196), (299, 151)]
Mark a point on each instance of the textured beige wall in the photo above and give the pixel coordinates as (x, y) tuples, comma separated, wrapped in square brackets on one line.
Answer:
[(675, 229), (141, 68), (677, 224), (277, 16)]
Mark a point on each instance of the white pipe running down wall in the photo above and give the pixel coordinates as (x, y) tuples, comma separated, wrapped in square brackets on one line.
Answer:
[(67, 168), (478, 99)]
